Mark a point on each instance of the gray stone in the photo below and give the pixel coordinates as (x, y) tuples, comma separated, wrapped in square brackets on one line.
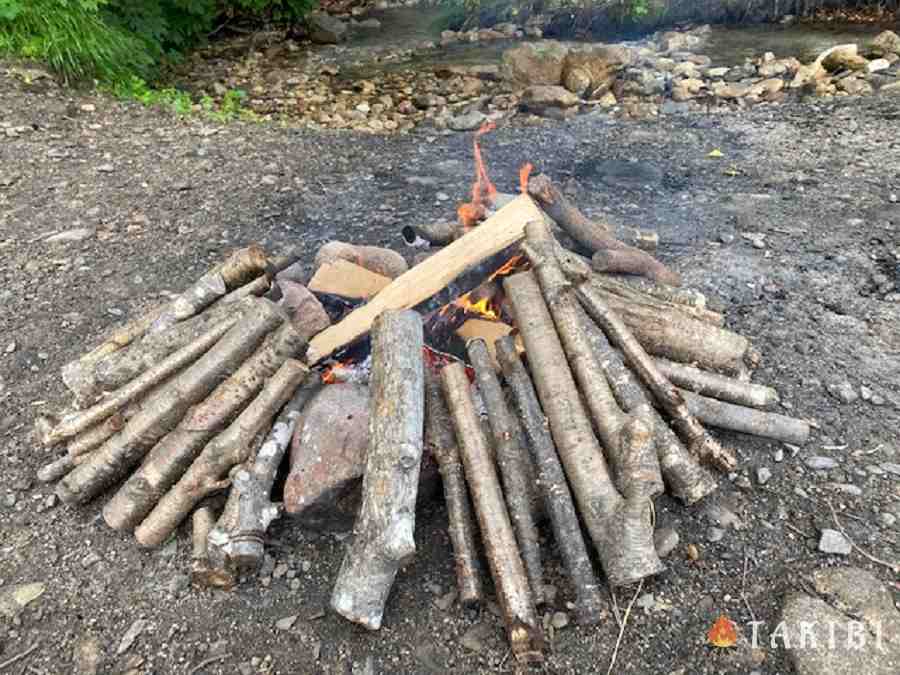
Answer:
[(715, 534), (834, 543), (535, 63), (891, 467), (665, 539), (560, 620), (859, 634), (286, 623), (87, 656), (475, 638), (647, 602), (763, 475), (887, 519), (819, 463), (887, 42), (467, 121), (325, 29), (76, 234)]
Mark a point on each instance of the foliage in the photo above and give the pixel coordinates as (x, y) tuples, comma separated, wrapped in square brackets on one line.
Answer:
[(180, 102), (113, 40)]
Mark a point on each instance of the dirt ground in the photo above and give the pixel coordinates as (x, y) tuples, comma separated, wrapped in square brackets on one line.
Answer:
[(163, 198)]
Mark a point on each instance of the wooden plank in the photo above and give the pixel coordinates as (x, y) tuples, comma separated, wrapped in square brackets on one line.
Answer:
[(504, 228), (347, 279)]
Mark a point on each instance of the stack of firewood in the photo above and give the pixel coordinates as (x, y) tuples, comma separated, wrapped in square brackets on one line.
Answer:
[(189, 409)]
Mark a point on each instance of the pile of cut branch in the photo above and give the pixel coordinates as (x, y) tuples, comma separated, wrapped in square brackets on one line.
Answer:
[(188, 411)]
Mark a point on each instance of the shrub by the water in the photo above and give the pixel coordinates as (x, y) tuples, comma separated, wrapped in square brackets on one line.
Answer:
[(114, 40)]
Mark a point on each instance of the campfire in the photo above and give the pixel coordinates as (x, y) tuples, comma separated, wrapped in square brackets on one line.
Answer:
[(596, 372)]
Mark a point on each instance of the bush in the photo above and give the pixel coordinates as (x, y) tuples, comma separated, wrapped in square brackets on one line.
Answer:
[(114, 40)]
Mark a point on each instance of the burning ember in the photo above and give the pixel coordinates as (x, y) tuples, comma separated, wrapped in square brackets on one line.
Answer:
[(483, 191)]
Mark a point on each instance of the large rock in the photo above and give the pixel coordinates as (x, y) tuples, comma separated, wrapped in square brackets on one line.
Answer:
[(325, 29), (859, 632), (842, 57), (598, 64), (550, 101), (684, 90), (535, 63), (887, 42)]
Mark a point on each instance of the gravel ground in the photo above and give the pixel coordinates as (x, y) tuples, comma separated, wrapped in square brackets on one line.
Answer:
[(793, 233)]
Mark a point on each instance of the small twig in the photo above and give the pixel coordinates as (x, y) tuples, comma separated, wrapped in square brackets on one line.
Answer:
[(615, 606), (744, 586), (894, 568), (622, 626), (212, 659), (798, 531), (19, 657)]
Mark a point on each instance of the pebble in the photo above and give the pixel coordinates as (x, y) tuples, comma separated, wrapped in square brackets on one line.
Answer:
[(11, 347), (106, 168), (73, 235), (847, 488), (91, 558), (887, 519), (474, 638), (819, 463), (833, 542), (665, 539), (446, 601), (891, 467), (130, 636), (693, 553), (286, 623), (646, 602), (763, 475), (844, 392), (560, 620), (778, 455), (715, 534)]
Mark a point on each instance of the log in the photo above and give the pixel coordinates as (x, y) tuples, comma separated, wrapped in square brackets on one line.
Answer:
[(608, 418), (437, 234), (512, 459), (683, 475), (170, 458), (383, 536), (53, 471), (746, 420), (501, 230), (94, 437), (620, 529), (596, 237), (440, 439), (243, 546), (700, 443), (554, 489), (168, 405), (717, 386), (203, 573), (489, 331), (207, 474), (347, 280), (379, 260), (74, 423), (507, 570)]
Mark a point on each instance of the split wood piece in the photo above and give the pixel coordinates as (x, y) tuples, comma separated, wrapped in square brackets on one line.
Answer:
[(596, 237), (621, 529), (512, 458), (383, 535), (202, 572), (698, 441), (162, 411), (501, 230), (552, 481), (379, 260), (243, 545), (436, 234), (685, 478), (717, 386), (240, 268), (171, 457), (675, 335), (746, 420), (440, 439), (347, 280), (74, 423), (637, 476), (507, 569), (207, 474), (124, 365)]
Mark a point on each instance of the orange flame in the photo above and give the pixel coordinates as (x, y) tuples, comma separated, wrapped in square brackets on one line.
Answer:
[(524, 175), (483, 191), (330, 374), (723, 632)]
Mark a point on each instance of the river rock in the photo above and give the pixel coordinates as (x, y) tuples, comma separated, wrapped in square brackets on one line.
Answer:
[(306, 312), (730, 90), (854, 86), (842, 57), (466, 121), (544, 99), (535, 63), (834, 543), (877, 65), (887, 42), (599, 64), (860, 633), (673, 41), (767, 87), (577, 80), (325, 29), (684, 90)]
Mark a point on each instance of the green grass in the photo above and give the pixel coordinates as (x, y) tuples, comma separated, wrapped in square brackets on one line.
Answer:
[(180, 102)]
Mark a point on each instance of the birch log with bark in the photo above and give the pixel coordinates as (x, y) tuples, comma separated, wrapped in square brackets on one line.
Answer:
[(512, 459), (203, 573), (167, 406), (383, 535), (698, 441), (507, 569), (440, 439), (208, 473), (171, 457), (553, 486), (243, 546), (620, 528), (717, 386), (746, 420)]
